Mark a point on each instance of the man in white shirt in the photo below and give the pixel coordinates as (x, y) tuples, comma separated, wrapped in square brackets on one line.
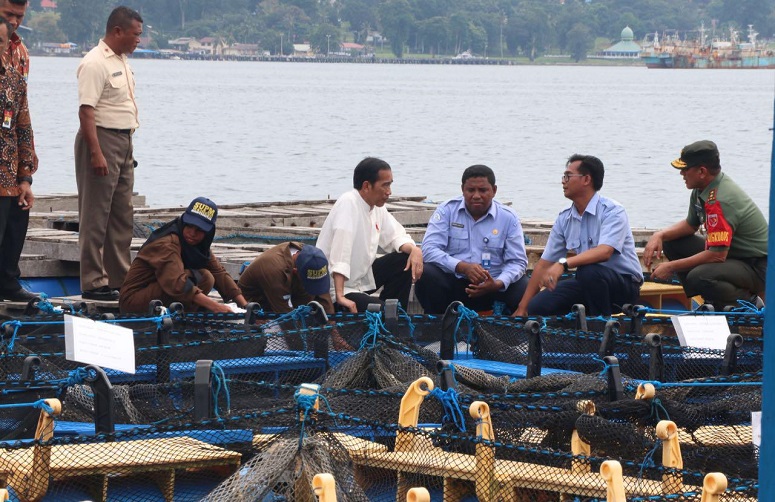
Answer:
[(356, 227)]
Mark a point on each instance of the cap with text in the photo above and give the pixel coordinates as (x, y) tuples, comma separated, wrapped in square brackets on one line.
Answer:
[(202, 213), (312, 267), (696, 154)]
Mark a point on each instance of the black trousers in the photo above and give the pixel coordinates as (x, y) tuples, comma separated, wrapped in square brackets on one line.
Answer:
[(721, 284), (600, 289), (436, 289), (389, 275), (13, 231)]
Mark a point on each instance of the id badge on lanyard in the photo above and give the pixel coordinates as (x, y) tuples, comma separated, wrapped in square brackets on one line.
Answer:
[(486, 256), (7, 118)]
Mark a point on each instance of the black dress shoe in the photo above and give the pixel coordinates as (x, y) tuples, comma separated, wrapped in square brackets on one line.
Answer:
[(103, 294), (20, 295)]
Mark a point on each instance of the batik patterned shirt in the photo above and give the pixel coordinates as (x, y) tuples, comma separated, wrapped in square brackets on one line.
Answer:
[(17, 157), (17, 56)]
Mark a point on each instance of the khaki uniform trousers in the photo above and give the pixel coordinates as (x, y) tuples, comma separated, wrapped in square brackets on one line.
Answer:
[(105, 210)]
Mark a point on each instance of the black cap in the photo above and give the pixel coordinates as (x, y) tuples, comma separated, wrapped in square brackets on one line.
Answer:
[(698, 153)]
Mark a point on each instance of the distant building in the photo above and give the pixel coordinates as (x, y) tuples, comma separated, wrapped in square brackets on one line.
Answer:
[(241, 50), (185, 44), (212, 45), (57, 48), (350, 49), (48, 4), (302, 50), (626, 48)]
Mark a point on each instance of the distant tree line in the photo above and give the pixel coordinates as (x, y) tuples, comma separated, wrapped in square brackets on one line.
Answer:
[(493, 28)]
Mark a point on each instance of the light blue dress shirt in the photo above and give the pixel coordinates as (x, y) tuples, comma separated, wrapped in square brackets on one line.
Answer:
[(454, 236), (604, 221)]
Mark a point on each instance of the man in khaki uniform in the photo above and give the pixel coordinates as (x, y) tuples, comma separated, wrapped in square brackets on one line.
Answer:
[(104, 161)]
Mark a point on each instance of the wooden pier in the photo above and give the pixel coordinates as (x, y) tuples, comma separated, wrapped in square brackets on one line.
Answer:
[(243, 230)]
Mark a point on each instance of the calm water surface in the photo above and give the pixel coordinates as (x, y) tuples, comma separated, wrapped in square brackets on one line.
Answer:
[(246, 132)]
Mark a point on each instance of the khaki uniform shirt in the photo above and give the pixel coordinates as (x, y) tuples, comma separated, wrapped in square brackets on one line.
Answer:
[(106, 82)]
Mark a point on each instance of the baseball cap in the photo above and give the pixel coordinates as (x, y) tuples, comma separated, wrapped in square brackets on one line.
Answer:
[(312, 267), (202, 213), (695, 154)]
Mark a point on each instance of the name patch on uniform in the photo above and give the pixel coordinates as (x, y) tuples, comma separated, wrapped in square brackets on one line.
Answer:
[(719, 238), (458, 225), (117, 74)]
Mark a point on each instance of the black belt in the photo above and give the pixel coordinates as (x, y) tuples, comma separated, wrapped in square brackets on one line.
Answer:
[(118, 131)]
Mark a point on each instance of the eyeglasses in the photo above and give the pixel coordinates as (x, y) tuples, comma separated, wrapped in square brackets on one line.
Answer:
[(566, 176), (685, 169)]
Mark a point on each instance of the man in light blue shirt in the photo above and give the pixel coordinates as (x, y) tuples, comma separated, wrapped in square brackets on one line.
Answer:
[(473, 250), (593, 236)]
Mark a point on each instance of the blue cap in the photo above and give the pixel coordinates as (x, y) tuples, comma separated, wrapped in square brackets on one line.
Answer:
[(202, 213), (312, 267)]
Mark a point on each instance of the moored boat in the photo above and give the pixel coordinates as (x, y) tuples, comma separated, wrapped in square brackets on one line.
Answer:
[(704, 53)]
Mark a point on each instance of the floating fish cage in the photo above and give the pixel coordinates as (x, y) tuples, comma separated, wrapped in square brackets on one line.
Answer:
[(256, 406)]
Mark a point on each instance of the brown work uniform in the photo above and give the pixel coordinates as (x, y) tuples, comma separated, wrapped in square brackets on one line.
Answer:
[(271, 281), (158, 273)]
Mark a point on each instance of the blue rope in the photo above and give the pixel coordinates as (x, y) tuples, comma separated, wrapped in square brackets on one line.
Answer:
[(747, 307), (376, 327), (409, 322), (453, 370), (77, 376), (44, 305), (738, 311), (16, 325), (41, 404), (251, 237), (452, 411), (220, 383), (656, 407), (71, 305), (648, 460), (659, 385), (298, 316), (306, 403), (606, 366), (468, 315)]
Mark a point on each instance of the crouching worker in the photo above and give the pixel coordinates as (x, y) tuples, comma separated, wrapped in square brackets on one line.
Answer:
[(175, 265)]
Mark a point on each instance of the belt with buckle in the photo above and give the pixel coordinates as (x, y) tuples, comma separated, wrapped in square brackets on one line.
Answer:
[(118, 131)]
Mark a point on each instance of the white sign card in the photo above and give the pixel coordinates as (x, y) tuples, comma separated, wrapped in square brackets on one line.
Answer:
[(704, 331), (106, 345), (756, 427)]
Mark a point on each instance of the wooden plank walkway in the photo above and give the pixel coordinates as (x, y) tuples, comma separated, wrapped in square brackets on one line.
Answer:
[(244, 230)]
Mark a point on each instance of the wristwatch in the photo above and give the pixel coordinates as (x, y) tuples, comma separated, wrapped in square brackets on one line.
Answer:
[(564, 263)]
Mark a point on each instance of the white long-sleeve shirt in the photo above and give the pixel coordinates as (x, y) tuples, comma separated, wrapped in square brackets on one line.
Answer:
[(351, 236)]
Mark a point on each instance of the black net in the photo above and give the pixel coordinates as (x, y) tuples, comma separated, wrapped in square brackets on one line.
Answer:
[(234, 407)]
